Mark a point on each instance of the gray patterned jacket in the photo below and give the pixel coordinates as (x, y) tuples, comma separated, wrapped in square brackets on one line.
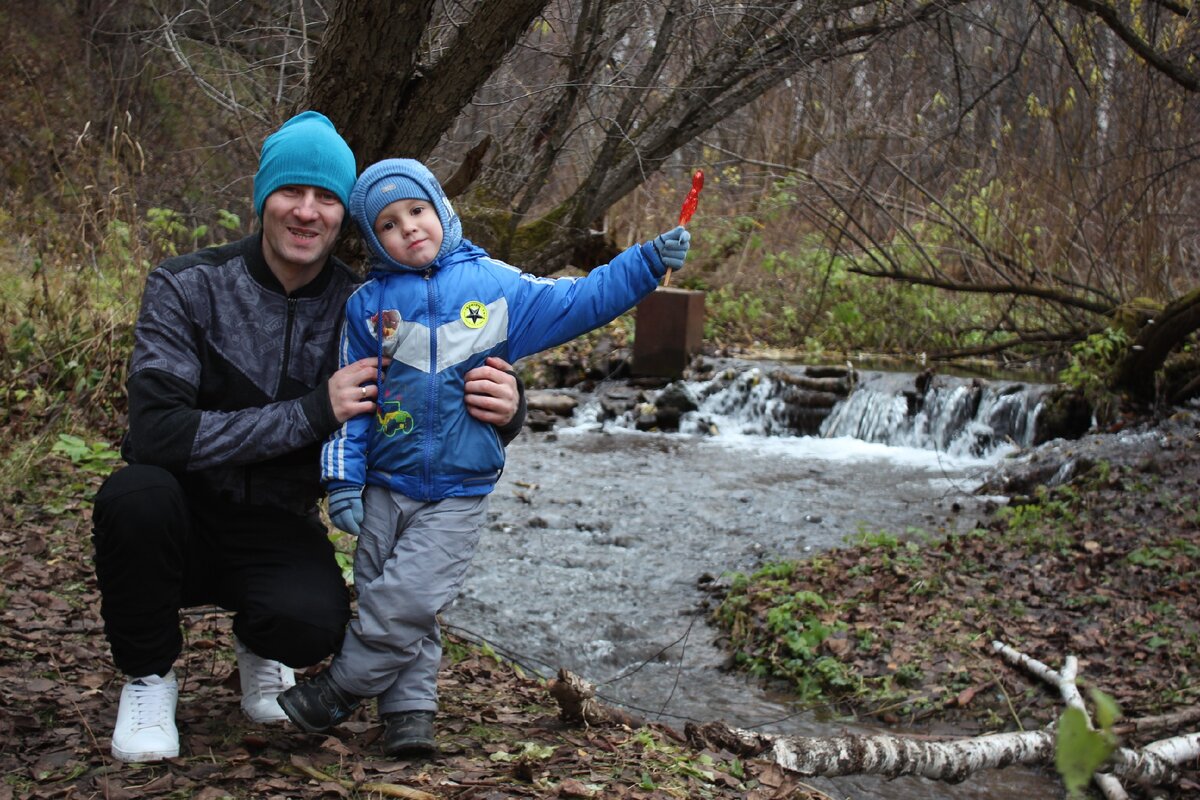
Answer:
[(227, 383)]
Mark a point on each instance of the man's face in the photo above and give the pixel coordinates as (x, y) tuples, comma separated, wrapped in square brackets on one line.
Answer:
[(300, 227), (410, 231)]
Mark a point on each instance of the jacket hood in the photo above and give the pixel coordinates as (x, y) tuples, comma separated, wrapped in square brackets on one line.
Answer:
[(395, 179)]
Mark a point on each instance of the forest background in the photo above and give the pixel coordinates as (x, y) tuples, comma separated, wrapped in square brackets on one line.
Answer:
[(944, 180)]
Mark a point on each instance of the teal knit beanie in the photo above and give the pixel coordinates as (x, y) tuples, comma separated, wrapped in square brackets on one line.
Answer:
[(306, 151)]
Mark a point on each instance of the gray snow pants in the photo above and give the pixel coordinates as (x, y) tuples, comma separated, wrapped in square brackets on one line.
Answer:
[(409, 565)]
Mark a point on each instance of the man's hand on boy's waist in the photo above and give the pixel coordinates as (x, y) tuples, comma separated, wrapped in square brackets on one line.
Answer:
[(492, 395)]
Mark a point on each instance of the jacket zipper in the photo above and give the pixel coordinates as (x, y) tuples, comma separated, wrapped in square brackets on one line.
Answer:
[(431, 395), (292, 304)]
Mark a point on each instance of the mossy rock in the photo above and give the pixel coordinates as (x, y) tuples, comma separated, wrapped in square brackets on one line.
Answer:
[(1066, 415)]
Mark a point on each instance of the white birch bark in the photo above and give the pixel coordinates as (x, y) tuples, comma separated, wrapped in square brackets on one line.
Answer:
[(891, 756), (1156, 763), (953, 761), (950, 761), (1068, 690)]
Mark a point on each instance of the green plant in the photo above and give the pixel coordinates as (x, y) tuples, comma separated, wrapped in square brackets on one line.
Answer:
[(795, 623), (1091, 366), (168, 231), (97, 457), (1080, 749)]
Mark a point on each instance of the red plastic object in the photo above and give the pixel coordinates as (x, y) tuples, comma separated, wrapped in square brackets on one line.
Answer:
[(689, 202)]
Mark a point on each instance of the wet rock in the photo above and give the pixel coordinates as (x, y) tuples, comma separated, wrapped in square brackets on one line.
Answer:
[(1058, 461), (541, 421), (667, 419), (617, 400), (677, 397), (647, 418), (552, 402), (668, 408), (1065, 415)]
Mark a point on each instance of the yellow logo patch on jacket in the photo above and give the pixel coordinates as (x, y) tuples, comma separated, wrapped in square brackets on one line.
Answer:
[(474, 314)]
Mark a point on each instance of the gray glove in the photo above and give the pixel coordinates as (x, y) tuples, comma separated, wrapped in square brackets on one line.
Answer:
[(346, 508), (672, 247)]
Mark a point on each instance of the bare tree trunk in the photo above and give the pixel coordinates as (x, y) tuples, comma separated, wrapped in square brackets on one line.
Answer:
[(364, 67), (369, 80)]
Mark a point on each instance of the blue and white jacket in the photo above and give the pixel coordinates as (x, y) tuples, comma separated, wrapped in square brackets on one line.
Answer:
[(437, 323)]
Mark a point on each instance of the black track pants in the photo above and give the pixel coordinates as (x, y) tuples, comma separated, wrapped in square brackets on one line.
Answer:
[(159, 550)]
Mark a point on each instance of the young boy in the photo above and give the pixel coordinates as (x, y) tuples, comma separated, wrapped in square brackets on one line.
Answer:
[(434, 306)]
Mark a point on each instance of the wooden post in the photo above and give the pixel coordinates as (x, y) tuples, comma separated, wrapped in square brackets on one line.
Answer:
[(668, 331)]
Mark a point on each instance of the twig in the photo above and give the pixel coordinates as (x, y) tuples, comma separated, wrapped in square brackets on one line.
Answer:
[(386, 789)]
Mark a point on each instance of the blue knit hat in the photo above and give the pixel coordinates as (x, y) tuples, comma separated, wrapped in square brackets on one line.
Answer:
[(392, 179), (306, 151), (385, 192)]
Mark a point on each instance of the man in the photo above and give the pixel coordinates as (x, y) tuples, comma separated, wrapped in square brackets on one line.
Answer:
[(232, 388)]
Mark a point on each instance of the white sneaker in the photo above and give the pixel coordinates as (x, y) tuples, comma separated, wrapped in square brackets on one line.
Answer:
[(146, 720), (262, 681)]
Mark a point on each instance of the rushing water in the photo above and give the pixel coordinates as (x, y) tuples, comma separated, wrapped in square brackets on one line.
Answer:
[(599, 536)]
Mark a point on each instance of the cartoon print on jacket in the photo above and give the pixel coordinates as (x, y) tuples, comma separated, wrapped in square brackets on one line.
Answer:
[(391, 325)]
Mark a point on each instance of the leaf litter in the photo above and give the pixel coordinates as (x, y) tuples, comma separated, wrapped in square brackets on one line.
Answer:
[(1111, 579)]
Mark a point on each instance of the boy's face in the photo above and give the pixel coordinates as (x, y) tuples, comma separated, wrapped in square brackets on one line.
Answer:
[(410, 231)]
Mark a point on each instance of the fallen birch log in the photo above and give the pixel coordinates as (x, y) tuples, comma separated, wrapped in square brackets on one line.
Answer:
[(950, 761), (880, 754), (1156, 764), (1064, 681), (883, 754)]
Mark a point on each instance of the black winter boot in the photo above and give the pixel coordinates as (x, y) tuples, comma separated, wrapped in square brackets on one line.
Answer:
[(408, 734), (319, 704)]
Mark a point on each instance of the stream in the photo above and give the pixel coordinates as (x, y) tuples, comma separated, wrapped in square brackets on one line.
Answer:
[(599, 537)]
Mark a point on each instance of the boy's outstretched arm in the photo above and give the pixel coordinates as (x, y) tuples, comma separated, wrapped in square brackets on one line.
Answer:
[(544, 312)]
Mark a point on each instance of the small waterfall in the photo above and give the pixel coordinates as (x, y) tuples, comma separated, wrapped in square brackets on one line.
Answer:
[(967, 417), (962, 417), (777, 402)]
